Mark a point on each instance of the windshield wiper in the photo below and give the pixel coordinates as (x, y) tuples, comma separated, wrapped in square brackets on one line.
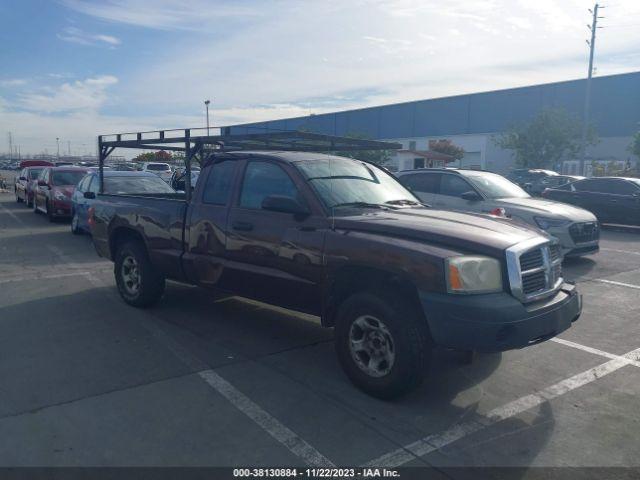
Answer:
[(406, 201), (363, 205)]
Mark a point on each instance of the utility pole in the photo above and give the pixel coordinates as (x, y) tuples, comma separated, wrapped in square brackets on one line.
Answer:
[(58, 146), (10, 146), (587, 98), (206, 103), (69, 147)]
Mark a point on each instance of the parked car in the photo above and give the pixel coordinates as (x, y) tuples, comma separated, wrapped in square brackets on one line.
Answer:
[(552, 181), (25, 184), (163, 170), (611, 199), (529, 179), (343, 239), (178, 179), (55, 185), (116, 182), (485, 192), (35, 163)]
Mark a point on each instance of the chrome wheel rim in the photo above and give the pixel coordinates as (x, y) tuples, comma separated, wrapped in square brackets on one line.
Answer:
[(130, 275), (371, 345)]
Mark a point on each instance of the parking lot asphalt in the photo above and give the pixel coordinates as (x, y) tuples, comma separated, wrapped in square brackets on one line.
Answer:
[(201, 380)]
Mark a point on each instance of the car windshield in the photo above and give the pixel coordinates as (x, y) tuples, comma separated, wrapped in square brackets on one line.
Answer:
[(130, 185), (495, 186), (67, 178), (33, 173), (160, 167), (342, 181)]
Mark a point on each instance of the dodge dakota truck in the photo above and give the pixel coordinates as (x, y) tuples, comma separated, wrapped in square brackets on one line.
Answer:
[(344, 240)]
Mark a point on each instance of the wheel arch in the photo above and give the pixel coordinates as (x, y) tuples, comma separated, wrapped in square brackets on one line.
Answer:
[(352, 279)]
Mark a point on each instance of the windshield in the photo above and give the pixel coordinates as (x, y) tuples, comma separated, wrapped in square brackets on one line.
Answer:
[(344, 181), (132, 185), (68, 177), (34, 172), (494, 186), (160, 167)]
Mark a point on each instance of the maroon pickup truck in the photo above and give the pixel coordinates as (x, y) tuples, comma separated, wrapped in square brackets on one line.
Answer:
[(344, 240)]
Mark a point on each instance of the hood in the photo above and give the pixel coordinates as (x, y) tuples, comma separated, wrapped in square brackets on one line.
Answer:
[(466, 231), (66, 189), (549, 208)]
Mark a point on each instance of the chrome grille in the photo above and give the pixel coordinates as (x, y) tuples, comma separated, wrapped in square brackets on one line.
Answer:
[(535, 269)]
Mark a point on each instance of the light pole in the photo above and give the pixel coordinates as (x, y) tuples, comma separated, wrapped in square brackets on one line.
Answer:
[(206, 103), (58, 145)]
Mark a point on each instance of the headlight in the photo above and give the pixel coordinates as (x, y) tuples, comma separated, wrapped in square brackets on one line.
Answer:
[(546, 223), (473, 274), (58, 195)]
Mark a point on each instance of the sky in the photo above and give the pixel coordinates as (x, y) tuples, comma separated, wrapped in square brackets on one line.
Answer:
[(74, 69)]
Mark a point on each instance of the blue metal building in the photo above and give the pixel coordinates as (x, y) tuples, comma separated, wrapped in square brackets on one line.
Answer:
[(471, 120)]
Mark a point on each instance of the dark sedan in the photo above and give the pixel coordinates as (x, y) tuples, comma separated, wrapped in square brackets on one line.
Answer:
[(54, 189), (611, 199), (117, 182)]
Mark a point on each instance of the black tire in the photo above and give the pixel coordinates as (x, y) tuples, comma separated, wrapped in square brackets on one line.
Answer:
[(35, 206), (75, 228), (408, 334), (18, 199), (150, 284)]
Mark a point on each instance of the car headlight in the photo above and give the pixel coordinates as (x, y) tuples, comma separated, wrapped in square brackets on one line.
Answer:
[(473, 274), (59, 196), (546, 223)]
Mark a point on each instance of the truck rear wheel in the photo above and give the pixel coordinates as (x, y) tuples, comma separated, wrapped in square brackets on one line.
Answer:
[(138, 282), (382, 343)]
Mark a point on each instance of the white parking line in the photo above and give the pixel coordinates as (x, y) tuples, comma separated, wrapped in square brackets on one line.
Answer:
[(434, 442), (595, 351), (25, 278), (618, 251), (268, 423), (289, 439), (619, 284)]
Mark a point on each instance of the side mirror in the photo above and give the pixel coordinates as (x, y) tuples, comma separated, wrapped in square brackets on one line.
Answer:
[(280, 203), (42, 183), (22, 178), (90, 195), (471, 196)]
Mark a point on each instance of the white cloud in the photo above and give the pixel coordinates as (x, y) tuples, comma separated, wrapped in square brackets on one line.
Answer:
[(164, 14), (13, 82), (87, 94), (260, 61), (75, 35)]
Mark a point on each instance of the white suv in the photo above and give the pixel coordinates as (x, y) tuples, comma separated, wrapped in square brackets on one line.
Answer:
[(163, 170), (484, 192)]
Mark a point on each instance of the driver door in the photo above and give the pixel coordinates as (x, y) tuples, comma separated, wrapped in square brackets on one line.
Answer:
[(449, 196), (273, 256)]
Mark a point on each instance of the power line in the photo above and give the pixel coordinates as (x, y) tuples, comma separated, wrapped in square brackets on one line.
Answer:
[(587, 98)]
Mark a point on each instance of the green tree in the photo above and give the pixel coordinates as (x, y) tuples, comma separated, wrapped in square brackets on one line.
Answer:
[(447, 147), (552, 135), (379, 157)]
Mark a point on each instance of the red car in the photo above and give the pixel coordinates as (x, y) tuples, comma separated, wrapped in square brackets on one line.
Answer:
[(25, 184), (52, 194)]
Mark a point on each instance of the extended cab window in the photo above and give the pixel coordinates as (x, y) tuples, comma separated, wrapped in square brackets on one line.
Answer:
[(262, 179), (219, 182), (453, 185)]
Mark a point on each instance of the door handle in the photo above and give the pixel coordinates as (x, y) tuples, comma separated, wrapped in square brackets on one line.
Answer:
[(243, 226)]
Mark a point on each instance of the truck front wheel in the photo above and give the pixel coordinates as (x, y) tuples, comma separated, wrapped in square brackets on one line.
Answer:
[(382, 343), (138, 282)]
